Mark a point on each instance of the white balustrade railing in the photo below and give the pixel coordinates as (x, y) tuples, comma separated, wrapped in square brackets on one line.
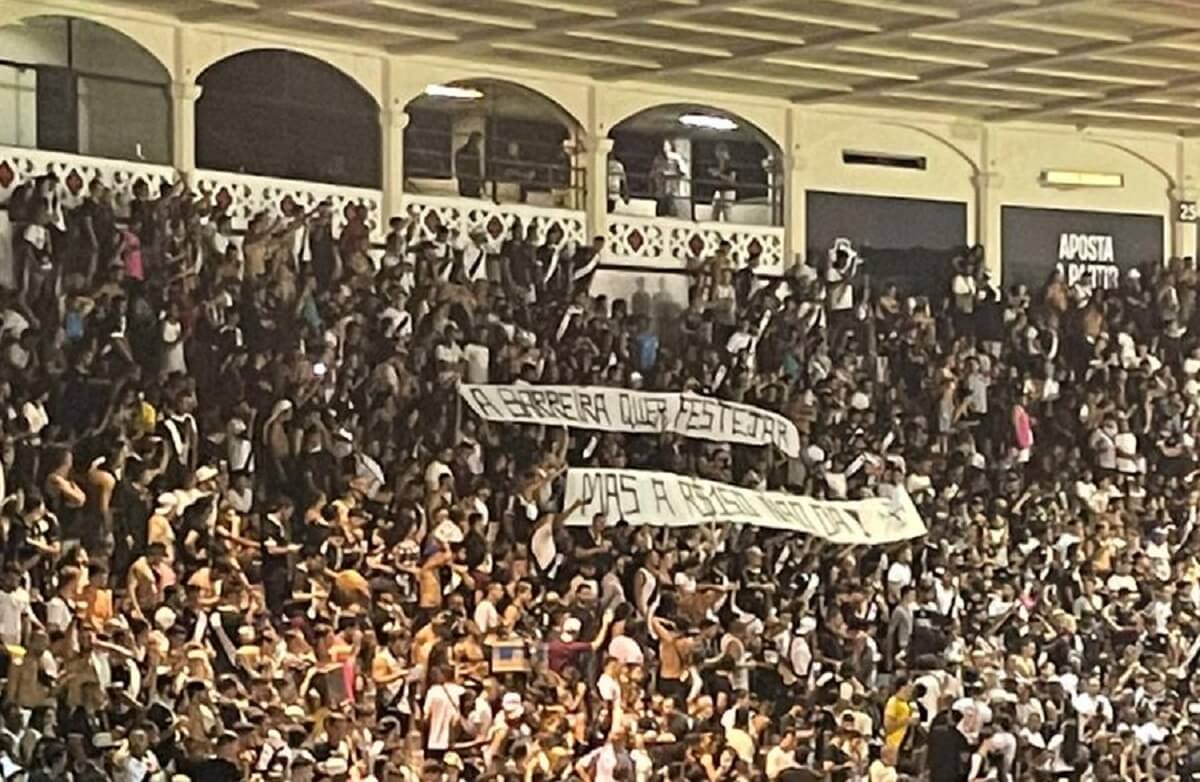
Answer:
[(241, 196), (76, 172), (668, 243), (661, 242), (464, 215)]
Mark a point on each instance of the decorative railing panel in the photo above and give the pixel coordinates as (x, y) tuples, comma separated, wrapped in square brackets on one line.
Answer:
[(669, 242), (464, 215), (242, 196), (76, 172)]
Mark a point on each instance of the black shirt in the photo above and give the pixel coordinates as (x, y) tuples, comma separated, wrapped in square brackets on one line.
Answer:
[(212, 770)]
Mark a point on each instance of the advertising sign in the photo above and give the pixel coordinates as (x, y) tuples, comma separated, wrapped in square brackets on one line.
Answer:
[(1091, 248)]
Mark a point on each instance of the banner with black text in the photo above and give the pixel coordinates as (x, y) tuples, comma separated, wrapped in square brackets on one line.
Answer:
[(636, 412), (647, 497)]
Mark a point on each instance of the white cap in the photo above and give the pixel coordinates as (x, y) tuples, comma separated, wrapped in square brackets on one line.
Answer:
[(448, 532), (335, 765), (512, 705), (164, 618)]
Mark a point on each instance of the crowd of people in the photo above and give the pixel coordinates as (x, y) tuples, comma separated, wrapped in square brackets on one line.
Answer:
[(249, 533)]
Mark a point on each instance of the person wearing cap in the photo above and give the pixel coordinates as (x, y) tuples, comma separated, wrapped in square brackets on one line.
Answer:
[(567, 648)]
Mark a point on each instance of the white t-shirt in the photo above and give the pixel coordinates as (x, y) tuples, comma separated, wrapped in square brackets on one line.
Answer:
[(841, 290), (478, 362), (609, 688), (59, 614), (449, 354), (14, 607), (1106, 450), (137, 769), (487, 618), (780, 760), (434, 473), (900, 574), (36, 235), (441, 712), (603, 762), (881, 772), (1126, 442), (1117, 582)]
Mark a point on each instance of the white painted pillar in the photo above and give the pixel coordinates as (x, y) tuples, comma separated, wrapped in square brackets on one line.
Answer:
[(985, 225), (183, 125), (598, 148), (393, 121), (1186, 235), (791, 174)]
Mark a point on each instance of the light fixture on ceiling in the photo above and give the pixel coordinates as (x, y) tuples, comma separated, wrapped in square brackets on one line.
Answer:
[(707, 122), (1055, 178), (456, 93)]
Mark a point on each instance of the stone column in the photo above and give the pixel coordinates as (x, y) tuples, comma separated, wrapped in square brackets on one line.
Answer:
[(596, 185), (183, 125), (789, 178), (393, 122), (986, 220)]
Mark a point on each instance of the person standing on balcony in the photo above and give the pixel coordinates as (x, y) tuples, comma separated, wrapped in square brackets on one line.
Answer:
[(618, 184), (668, 179), (468, 166), (724, 179)]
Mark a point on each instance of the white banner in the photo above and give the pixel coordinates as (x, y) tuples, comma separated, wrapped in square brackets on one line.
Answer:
[(638, 412), (665, 499)]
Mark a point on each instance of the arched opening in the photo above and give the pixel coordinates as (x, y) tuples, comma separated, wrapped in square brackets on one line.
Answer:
[(493, 139), (277, 113), (695, 163), (72, 85)]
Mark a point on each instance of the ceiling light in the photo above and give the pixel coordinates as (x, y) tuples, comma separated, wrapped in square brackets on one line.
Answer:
[(707, 122), (1053, 178), (458, 93)]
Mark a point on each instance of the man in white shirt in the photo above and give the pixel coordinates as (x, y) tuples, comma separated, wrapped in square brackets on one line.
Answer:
[(487, 617), (1091, 702), (441, 711), (1104, 446), (437, 468), (15, 612), (899, 573), (607, 763), (883, 768), (782, 756), (945, 589), (609, 683), (1129, 462), (478, 357), (134, 763)]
